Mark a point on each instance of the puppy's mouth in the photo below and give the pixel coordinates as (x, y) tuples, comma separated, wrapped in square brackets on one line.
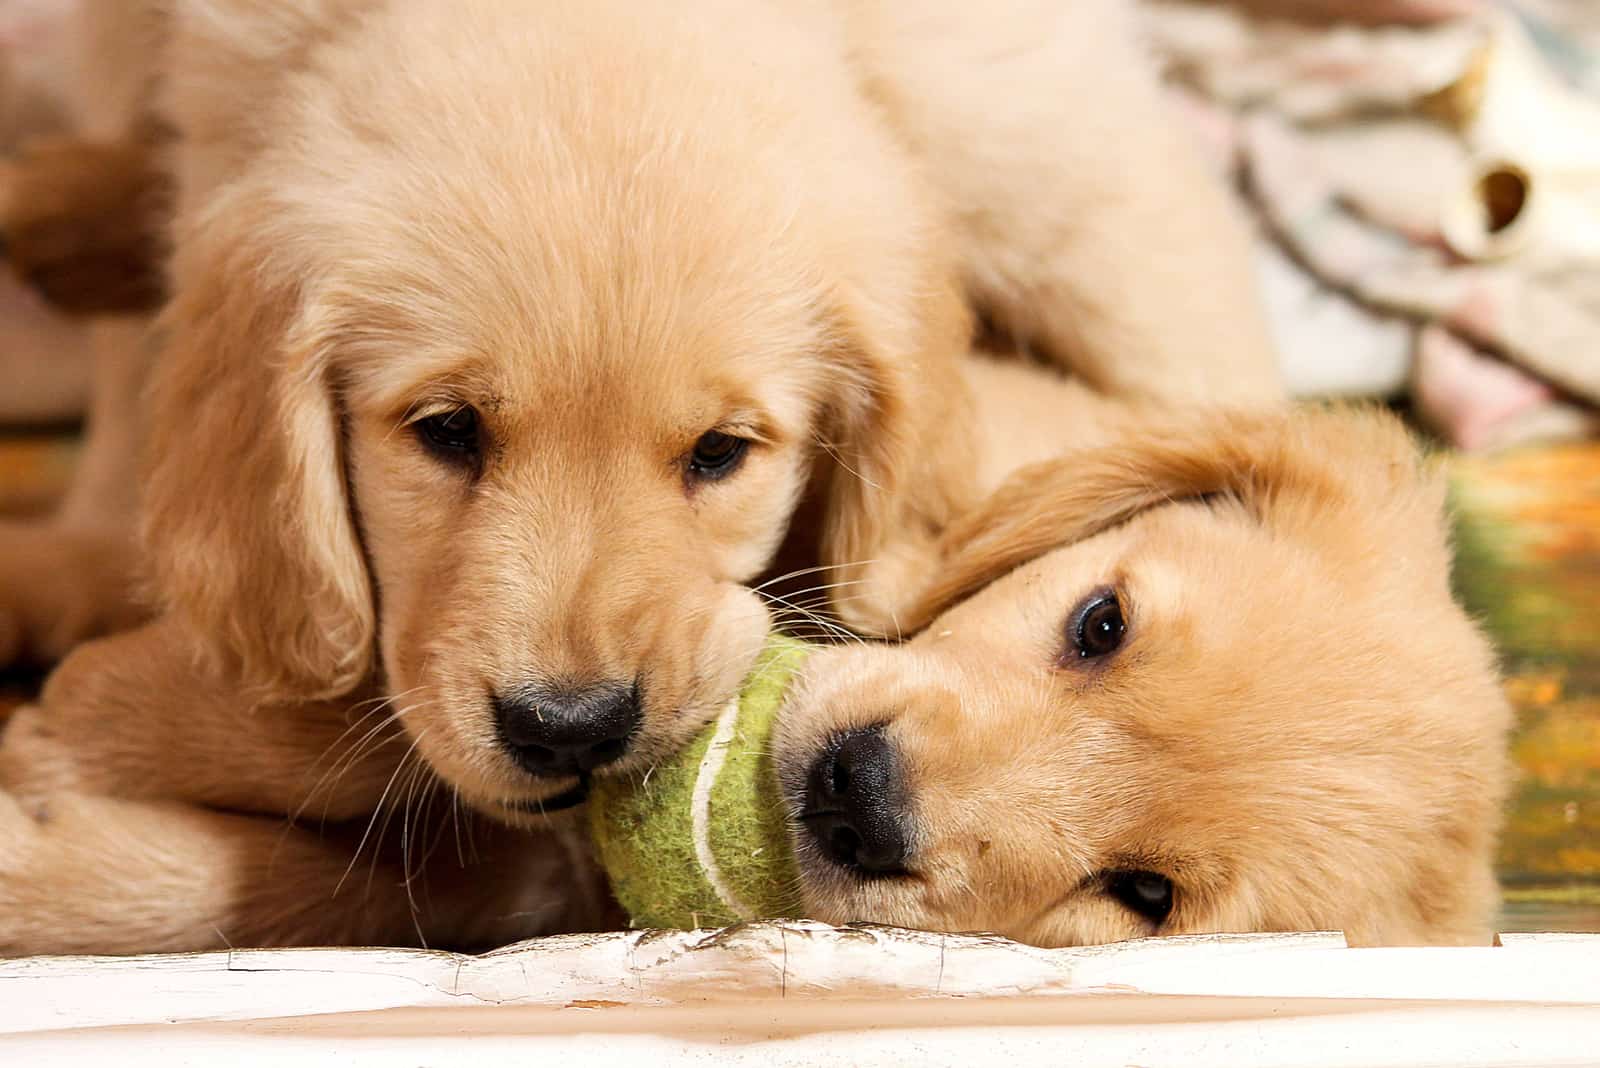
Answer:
[(572, 797)]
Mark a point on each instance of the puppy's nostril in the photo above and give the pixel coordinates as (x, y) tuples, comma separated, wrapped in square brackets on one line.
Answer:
[(844, 843), (607, 751), (840, 778)]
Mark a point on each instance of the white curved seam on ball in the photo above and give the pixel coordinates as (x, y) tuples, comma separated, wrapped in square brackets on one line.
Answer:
[(710, 767)]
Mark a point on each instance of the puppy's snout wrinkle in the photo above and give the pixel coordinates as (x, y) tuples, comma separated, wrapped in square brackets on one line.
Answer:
[(856, 804), (568, 731)]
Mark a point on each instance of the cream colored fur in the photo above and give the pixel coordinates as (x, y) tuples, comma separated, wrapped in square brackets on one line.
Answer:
[(607, 228), (1301, 730)]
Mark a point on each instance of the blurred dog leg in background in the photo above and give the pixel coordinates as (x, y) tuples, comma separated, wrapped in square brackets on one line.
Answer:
[(44, 372), (78, 210)]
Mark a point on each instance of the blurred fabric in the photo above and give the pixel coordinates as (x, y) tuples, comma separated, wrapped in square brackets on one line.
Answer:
[(1348, 142)]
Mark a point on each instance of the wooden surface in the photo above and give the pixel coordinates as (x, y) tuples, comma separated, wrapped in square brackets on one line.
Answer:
[(804, 993)]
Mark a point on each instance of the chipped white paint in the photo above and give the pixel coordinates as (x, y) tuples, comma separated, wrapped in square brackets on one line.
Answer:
[(776, 994)]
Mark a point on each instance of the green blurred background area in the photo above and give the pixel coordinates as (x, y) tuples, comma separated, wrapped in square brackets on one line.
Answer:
[(1528, 566)]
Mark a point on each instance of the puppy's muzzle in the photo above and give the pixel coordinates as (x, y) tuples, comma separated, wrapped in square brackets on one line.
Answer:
[(560, 732), (855, 804)]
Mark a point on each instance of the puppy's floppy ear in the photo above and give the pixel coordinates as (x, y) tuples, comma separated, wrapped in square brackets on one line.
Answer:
[(1344, 482), (247, 523), (900, 439)]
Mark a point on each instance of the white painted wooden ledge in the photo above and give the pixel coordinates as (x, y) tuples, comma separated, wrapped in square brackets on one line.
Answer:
[(799, 993)]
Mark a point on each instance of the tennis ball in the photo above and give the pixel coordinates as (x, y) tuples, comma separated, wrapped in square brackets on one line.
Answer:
[(702, 840)]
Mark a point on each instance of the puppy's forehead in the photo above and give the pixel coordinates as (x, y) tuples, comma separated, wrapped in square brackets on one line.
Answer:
[(1175, 567), (561, 285), (648, 360), (1045, 589)]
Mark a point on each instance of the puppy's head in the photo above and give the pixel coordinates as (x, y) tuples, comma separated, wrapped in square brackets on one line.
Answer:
[(507, 403), (1238, 698)]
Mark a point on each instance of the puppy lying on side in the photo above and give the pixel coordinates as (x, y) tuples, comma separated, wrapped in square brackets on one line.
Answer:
[(1204, 678)]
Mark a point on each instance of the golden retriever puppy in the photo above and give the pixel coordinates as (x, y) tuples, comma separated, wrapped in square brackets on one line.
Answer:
[(343, 176), (503, 404), (506, 341), (1208, 678)]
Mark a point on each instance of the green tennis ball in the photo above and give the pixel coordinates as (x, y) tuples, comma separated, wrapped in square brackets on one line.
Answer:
[(702, 841)]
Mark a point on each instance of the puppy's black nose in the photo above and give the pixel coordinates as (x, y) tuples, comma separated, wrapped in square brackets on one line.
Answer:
[(856, 804), (570, 731)]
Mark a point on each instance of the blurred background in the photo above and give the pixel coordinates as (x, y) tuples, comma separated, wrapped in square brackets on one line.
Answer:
[(1423, 181)]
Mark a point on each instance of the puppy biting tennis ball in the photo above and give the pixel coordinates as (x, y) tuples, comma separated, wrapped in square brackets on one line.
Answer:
[(702, 840)]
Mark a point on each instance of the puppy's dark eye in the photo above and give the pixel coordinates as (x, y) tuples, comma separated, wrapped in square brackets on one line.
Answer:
[(716, 455), (452, 435), (1143, 892), (1096, 627)]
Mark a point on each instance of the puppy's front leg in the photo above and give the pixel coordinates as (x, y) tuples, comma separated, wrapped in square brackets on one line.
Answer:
[(1089, 226), (70, 577), (140, 715), (84, 874), (110, 838)]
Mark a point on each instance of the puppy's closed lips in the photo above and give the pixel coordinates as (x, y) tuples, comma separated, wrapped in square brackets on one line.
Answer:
[(569, 798)]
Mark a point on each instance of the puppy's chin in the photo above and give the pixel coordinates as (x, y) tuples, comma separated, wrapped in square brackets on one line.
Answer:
[(833, 894)]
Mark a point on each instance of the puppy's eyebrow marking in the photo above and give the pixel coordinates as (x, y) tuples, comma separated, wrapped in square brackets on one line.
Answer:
[(747, 422)]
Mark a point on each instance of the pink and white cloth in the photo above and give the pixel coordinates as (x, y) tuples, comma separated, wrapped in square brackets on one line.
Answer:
[(1325, 131)]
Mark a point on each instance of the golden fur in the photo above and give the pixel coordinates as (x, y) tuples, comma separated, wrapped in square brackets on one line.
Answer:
[(82, 210), (607, 228), (861, 162), (1301, 730)]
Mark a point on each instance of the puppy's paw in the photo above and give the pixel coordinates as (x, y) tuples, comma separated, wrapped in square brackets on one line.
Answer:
[(26, 884), (59, 587), (19, 822)]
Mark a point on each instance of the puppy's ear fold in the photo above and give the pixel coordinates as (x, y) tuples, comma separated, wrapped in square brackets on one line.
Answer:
[(247, 524), (1047, 505), (900, 442), (1352, 484), (1346, 483)]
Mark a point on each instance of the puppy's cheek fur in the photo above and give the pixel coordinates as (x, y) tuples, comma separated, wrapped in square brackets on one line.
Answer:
[(432, 612), (743, 521)]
